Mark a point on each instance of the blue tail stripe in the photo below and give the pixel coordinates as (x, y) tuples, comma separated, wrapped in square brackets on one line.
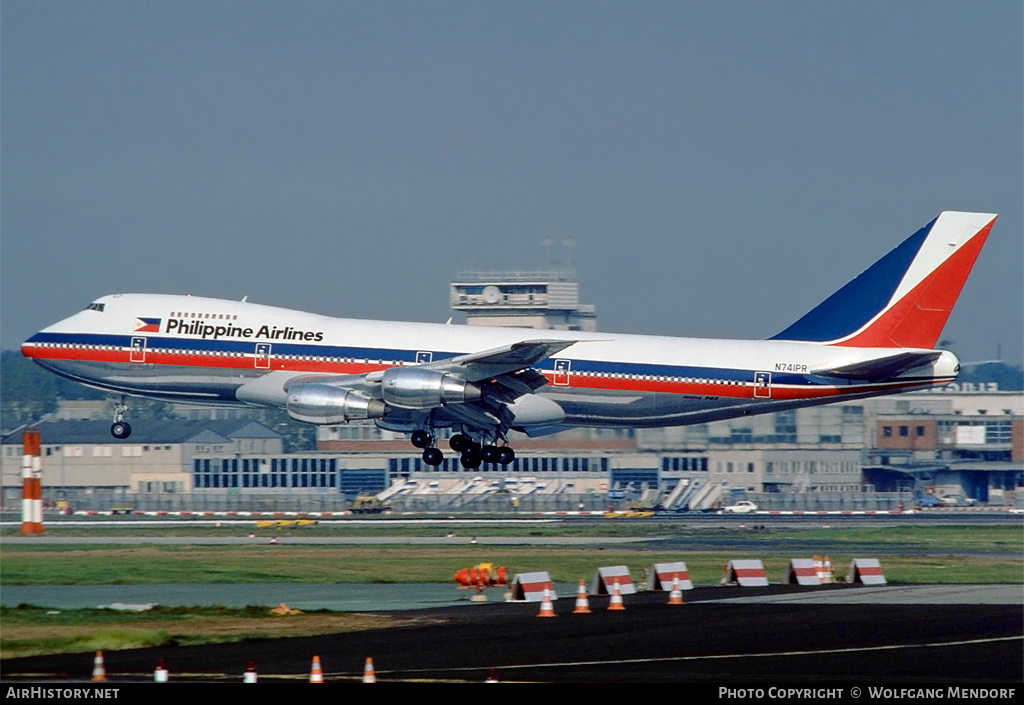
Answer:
[(847, 310)]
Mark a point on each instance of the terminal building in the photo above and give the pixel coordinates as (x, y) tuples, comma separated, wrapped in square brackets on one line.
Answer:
[(877, 454)]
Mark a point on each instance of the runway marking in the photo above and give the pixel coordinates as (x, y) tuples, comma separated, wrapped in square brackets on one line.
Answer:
[(340, 675), (669, 659)]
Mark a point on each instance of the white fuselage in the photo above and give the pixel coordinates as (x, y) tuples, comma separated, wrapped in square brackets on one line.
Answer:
[(194, 349)]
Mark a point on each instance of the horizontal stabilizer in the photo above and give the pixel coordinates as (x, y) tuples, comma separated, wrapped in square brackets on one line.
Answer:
[(882, 368)]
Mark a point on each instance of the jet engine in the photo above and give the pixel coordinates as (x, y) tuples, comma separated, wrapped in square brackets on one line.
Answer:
[(324, 404), (424, 388)]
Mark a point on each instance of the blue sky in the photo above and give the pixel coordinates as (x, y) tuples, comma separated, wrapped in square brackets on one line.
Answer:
[(721, 166)]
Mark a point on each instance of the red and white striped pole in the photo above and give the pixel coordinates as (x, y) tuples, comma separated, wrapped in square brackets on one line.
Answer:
[(31, 485)]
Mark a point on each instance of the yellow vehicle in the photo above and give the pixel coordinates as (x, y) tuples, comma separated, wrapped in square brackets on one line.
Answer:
[(367, 505), (280, 523)]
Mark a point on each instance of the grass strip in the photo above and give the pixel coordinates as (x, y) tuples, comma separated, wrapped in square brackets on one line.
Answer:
[(151, 564), (31, 631)]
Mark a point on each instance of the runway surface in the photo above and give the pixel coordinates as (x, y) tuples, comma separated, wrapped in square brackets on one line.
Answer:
[(771, 636)]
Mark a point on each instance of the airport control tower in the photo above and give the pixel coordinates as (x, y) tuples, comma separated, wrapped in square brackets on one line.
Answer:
[(547, 300)]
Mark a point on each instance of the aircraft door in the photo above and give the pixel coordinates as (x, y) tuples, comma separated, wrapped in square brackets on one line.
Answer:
[(263, 356), (562, 370), (762, 385), (138, 351), (423, 358)]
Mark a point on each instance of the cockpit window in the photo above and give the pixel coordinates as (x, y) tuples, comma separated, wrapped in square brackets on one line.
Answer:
[(95, 307)]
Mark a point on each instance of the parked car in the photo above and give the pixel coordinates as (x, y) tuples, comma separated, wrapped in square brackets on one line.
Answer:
[(927, 500), (744, 507), (957, 500)]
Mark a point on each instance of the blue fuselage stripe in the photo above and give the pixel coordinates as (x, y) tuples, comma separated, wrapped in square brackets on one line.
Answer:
[(387, 356)]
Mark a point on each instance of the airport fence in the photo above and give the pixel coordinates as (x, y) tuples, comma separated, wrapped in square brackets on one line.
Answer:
[(483, 503)]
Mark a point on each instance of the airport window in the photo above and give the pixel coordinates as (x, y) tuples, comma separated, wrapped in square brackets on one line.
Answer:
[(920, 431), (887, 431), (998, 432), (904, 431)]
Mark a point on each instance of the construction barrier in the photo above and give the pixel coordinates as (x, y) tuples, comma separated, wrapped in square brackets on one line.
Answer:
[(745, 573), (867, 571), (482, 575), (803, 571), (661, 575), (546, 608), (99, 670), (675, 597), (609, 576), (826, 571), (616, 605), (316, 674), (582, 603), (530, 587)]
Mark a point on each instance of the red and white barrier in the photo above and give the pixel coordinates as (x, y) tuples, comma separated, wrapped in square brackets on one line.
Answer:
[(745, 573), (804, 571), (867, 571), (530, 587), (661, 575), (608, 576)]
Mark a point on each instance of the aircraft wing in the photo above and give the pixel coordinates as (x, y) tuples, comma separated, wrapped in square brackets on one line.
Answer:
[(498, 361), (487, 386), (510, 363)]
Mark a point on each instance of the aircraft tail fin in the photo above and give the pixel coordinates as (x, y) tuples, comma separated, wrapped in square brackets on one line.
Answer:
[(903, 299)]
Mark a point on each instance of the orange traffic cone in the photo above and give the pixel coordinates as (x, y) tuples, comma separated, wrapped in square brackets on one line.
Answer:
[(99, 673), (676, 596), (616, 604), (582, 604), (250, 673), (160, 674), (368, 674), (546, 608), (316, 675)]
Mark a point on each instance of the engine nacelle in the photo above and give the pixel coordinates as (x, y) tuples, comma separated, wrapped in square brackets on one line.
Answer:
[(324, 404), (424, 388)]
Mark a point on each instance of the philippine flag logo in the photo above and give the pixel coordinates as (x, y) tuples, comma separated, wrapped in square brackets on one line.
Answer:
[(147, 325)]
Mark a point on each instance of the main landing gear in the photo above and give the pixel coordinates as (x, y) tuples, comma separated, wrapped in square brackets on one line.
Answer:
[(472, 453), (120, 428)]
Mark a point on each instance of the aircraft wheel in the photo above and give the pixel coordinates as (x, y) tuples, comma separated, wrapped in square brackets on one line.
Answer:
[(120, 430), (458, 442), (506, 455), (490, 454), (420, 438), (470, 461), (433, 457)]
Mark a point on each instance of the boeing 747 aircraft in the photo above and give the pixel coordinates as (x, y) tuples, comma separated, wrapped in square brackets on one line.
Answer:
[(874, 336)]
